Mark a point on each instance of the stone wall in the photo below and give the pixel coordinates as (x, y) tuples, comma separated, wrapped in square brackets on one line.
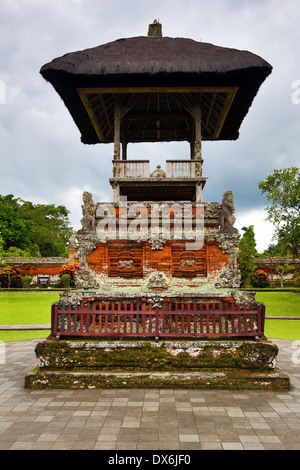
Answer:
[(271, 264), (35, 267), (144, 261)]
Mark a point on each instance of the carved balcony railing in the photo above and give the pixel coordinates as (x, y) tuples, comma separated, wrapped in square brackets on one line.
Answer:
[(183, 168), (141, 168), (131, 168)]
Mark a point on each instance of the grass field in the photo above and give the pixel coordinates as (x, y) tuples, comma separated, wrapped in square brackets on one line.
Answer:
[(27, 308), (281, 304)]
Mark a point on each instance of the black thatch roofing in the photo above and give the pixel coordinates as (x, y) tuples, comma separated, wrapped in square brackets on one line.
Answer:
[(157, 62)]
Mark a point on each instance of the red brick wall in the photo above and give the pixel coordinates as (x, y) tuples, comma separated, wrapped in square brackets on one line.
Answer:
[(172, 259)]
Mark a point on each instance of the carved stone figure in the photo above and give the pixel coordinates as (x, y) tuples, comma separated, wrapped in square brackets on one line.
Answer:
[(227, 217), (88, 212)]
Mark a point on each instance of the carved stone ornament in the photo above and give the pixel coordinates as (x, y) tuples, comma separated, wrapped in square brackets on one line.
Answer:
[(229, 242), (85, 279), (229, 278), (156, 243), (227, 218), (158, 173), (125, 263), (72, 243), (88, 212), (87, 242), (156, 302), (157, 280), (187, 263)]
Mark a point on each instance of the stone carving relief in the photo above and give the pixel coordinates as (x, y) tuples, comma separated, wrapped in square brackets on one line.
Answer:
[(227, 218), (157, 280), (187, 263), (125, 264), (88, 212), (156, 302), (85, 279), (87, 242), (156, 243), (229, 278), (228, 241)]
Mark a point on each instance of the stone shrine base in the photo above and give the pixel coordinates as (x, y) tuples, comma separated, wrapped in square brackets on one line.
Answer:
[(193, 364)]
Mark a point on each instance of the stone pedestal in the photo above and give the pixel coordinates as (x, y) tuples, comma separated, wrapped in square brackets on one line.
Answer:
[(208, 364)]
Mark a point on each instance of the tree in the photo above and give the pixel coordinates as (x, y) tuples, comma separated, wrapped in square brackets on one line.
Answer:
[(282, 189), (10, 276), (247, 255), (283, 270), (14, 230), (49, 227), (38, 230)]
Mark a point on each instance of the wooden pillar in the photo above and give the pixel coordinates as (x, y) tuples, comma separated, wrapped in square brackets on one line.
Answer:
[(124, 150), (116, 193), (198, 195), (192, 146), (117, 128), (198, 132)]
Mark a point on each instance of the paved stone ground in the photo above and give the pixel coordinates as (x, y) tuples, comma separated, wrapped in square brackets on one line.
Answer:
[(146, 419)]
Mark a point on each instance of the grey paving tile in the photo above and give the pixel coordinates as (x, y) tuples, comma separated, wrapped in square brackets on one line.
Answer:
[(144, 419)]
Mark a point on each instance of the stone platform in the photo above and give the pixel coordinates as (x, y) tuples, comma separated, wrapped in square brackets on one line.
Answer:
[(211, 364)]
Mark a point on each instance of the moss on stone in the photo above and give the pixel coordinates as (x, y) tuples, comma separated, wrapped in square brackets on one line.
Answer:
[(146, 355)]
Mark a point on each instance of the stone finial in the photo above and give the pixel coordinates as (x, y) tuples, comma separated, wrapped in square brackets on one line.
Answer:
[(72, 243), (158, 173), (155, 29)]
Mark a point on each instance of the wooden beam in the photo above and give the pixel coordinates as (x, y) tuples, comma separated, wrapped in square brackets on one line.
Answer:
[(117, 90), (224, 112), (94, 120), (180, 94), (155, 116), (212, 103), (109, 123)]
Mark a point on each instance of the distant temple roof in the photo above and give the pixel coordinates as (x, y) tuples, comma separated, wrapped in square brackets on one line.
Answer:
[(164, 67)]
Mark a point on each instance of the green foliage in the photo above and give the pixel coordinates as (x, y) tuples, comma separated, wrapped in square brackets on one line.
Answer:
[(260, 279), (33, 230), (282, 189), (65, 280), (284, 269), (14, 229), (246, 255), (10, 276), (280, 249), (26, 281)]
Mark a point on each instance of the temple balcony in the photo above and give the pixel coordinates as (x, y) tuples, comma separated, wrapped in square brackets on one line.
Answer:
[(182, 181)]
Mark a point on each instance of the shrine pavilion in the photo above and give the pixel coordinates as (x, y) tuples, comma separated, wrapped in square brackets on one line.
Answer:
[(172, 300)]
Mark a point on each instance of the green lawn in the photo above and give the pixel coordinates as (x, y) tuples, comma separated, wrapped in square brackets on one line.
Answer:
[(280, 303), (283, 329), (8, 336), (26, 308)]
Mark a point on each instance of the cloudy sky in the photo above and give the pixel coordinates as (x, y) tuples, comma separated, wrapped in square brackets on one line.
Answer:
[(42, 157)]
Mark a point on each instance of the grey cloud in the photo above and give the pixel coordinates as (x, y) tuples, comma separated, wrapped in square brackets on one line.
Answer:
[(41, 156)]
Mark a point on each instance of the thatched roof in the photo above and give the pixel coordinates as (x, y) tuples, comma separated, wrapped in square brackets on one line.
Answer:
[(155, 62)]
